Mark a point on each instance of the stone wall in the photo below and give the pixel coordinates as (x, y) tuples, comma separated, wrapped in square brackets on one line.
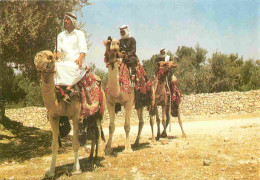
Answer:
[(221, 103)]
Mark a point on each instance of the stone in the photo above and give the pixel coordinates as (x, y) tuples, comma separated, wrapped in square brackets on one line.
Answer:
[(206, 162), (226, 139)]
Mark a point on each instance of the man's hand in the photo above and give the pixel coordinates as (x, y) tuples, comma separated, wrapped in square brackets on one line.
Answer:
[(79, 62), (124, 55), (56, 56), (80, 59)]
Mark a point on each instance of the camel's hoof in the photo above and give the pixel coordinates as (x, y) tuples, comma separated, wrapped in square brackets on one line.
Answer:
[(127, 151), (136, 143), (153, 141), (76, 172), (184, 135), (49, 174), (108, 151), (157, 138), (164, 134), (92, 167)]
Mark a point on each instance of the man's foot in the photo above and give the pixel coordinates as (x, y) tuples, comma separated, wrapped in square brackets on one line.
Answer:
[(66, 98), (74, 92)]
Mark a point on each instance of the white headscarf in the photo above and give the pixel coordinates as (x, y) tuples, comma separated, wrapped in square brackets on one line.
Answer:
[(163, 49), (167, 57), (127, 32), (72, 17)]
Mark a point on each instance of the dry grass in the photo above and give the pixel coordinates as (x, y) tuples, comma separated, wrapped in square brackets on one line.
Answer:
[(227, 153)]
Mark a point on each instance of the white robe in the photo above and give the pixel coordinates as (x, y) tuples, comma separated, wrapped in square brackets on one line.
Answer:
[(70, 45)]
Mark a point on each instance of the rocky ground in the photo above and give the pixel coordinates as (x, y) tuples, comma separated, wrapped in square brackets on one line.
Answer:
[(217, 147)]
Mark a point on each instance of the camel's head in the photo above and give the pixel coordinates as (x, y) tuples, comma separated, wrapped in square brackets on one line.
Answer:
[(171, 64), (164, 67), (112, 48), (112, 44), (44, 61)]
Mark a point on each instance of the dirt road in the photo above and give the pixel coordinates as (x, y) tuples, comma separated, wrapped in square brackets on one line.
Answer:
[(219, 149)]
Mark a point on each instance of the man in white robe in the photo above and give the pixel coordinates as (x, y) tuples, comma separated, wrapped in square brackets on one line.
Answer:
[(72, 48)]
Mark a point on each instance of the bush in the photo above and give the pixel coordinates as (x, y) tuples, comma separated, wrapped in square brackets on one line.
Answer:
[(33, 95)]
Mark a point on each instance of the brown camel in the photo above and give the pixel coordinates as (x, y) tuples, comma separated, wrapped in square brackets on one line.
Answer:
[(161, 99), (115, 95), (45, 63)]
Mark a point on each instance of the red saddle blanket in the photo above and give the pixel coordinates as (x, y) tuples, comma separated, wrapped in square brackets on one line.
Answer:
[(91, 96), (175, 98)]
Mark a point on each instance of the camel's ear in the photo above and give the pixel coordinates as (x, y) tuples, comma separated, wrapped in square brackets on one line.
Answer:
[(105, 43)]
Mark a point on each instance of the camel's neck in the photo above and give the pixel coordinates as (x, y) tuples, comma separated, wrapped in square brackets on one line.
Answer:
[(48, 91), (113, 79), (160, 87)]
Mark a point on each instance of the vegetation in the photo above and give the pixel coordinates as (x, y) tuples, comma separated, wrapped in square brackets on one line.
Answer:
[(198, 74), (28, 27)]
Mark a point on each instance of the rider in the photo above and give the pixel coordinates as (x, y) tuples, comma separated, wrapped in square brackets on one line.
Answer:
[(128, 49), (163, 56), (71, 52)]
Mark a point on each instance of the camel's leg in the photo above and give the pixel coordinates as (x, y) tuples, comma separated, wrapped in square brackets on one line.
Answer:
[(93, 142), (55, 145), (168, 115), (97, 136), (164, 134), (128, 112), (111, 111), (151, 123), (75, 145), (180, 123), (141, 124), (158, 123)]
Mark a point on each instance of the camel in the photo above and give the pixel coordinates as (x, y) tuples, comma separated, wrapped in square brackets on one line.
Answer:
[(45, 63), (115, 95), (161, 99)]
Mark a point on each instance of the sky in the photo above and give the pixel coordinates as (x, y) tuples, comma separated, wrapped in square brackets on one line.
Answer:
[(226, 26)]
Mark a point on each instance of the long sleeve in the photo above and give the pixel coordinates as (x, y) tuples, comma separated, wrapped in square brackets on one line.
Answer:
[(59, 42), (132, 48), (82, 42)]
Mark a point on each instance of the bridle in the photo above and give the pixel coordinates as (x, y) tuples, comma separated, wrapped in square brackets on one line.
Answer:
[(110, 53)]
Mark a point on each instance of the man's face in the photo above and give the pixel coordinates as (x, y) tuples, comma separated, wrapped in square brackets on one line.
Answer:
[(67, 23), (162, 52), (122, 32)]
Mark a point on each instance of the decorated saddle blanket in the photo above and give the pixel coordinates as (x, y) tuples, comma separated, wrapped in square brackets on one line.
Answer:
[(175, 98), (143, 88), (90, 93)]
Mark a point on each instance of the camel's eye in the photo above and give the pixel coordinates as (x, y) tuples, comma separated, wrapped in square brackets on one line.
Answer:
[(50, 57)]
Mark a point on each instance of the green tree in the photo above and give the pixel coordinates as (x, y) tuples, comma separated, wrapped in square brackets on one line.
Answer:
[(149, 66), (192, 72), (225, 72), (28, 27), (250, 75), (183, 52)]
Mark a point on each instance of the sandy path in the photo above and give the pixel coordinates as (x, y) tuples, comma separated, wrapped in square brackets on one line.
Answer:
[(197, 127)]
